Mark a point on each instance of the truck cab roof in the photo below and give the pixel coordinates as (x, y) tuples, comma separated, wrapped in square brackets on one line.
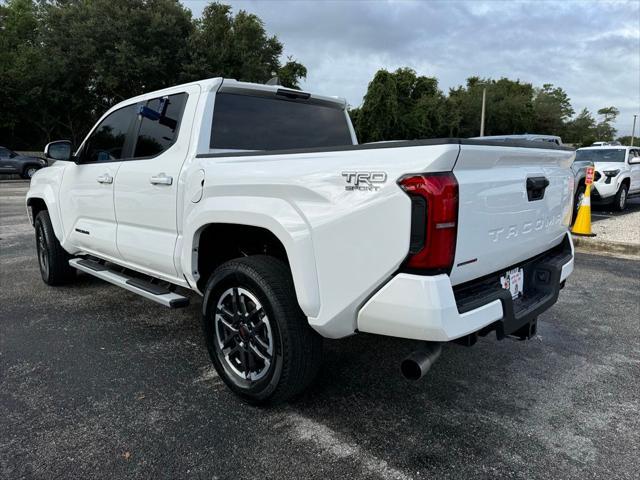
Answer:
[(247, 88)]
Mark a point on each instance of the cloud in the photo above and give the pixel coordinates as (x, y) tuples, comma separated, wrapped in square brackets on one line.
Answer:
[(591, 49)]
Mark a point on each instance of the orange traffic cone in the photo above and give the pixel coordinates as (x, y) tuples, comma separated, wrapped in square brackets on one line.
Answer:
[(582, 226)]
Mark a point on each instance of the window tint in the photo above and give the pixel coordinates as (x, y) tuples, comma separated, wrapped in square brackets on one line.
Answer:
[(158, 133), (108, 140), (243, 122), (4, 153)]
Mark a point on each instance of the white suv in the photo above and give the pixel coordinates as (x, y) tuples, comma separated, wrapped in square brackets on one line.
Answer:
[(617, 174)]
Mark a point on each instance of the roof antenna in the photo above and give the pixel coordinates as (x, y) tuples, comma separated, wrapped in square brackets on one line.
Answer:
[(274, 81)]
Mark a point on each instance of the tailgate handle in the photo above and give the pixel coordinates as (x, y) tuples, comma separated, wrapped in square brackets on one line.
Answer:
[(536, 187)]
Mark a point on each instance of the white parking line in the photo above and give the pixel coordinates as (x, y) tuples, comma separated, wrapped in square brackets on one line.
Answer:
[(329, 443)]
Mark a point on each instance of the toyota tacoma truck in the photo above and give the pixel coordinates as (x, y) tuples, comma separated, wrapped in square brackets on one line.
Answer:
[(259, 199), (617, 173)]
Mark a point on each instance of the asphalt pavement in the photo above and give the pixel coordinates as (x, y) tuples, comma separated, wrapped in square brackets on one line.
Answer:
[(96, 382)]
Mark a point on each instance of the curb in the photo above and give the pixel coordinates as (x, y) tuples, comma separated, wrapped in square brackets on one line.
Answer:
[(588, 244)]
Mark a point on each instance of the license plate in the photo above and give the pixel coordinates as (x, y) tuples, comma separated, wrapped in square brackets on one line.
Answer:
[(513, 280)]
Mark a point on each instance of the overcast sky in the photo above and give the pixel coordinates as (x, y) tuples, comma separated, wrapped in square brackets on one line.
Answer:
[(591, 49)]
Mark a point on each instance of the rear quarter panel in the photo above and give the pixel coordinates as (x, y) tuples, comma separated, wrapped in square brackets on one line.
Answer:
[(342, 244)]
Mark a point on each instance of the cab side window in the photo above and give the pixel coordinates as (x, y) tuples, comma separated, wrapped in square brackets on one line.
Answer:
[(159, 124), (108, 141), (4, 153)]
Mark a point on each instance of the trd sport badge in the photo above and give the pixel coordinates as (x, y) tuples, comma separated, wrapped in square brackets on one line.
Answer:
[(364, 181)]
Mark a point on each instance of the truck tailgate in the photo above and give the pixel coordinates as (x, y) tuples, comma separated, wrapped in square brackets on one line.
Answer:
[(506, 213)]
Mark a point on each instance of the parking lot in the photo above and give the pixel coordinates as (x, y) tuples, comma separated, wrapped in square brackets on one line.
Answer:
[(610, 225), (96, 382)]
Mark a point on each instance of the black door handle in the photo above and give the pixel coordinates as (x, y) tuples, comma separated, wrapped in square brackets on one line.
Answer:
[(536, 187)]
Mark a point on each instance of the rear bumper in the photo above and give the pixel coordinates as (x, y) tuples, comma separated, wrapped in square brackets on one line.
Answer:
[(428, 307)]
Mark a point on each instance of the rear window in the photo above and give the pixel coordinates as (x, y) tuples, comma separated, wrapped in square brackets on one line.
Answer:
[(157, 134), (601, 155), (243, 122)]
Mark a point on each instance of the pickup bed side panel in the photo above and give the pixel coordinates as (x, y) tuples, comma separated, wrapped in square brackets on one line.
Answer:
[(342, 242)]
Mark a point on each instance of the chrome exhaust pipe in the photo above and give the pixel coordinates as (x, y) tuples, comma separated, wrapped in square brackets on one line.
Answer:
[(416, 365)]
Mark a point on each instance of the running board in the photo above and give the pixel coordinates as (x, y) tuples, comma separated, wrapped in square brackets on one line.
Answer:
[(145, 289)]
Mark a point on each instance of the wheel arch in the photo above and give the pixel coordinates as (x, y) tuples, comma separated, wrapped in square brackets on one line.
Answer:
[(218, 243), (626, 181), (36, 205), (218, 231), (42, 198)]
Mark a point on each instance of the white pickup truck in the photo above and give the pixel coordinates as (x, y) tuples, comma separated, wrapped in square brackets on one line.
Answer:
[(259, 199)]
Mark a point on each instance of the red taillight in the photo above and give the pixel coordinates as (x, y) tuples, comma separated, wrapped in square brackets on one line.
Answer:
[(440, 193)]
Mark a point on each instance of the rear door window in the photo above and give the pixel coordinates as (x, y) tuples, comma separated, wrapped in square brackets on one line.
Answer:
[(244, 122), (159, 125)]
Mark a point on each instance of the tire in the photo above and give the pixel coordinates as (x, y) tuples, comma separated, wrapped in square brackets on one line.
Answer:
[(52, 258), (270, 321), (620, 201), (29, 171)]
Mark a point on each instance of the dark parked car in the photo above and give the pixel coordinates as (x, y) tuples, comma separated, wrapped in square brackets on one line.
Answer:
[(25, 166)]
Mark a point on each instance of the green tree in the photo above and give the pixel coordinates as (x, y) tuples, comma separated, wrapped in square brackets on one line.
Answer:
[(18, 52), (104, 51), (291, 73), (400, 105), (626, 140), (581, 131), (551, 109), (63, 63), (508, 107), (237, 46), (605, 130), (378, 116)]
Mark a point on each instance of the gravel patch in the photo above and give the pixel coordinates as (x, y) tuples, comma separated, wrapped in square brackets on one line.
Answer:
[(623, 227)]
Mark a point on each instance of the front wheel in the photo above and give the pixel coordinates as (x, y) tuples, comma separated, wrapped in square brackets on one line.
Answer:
[(621, 197), (52, 258), (258, 338)]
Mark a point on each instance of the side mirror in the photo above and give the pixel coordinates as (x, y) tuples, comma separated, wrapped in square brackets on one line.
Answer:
[(634, 160), (59, 150)]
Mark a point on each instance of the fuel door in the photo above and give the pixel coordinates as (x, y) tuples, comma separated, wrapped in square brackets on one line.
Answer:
[(196, 186)]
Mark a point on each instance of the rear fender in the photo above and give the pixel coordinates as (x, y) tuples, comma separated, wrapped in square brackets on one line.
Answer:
[(273, 214)]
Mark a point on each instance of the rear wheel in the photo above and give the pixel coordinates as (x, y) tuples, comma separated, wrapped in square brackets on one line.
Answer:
[(52, 258), (258, 338), (620, 201)]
